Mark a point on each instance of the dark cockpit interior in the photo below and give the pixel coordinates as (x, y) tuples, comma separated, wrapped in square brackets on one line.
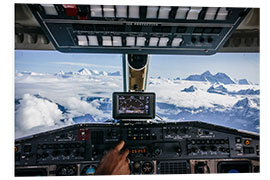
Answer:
[(136, 32)]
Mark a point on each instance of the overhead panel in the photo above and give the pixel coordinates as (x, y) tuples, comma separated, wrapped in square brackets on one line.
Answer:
[(137, 29)]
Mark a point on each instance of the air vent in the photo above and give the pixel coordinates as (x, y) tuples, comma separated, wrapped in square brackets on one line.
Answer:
[(174, 167)]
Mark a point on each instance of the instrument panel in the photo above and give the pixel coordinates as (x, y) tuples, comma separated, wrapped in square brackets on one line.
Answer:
[(155, 148), (137, 29)]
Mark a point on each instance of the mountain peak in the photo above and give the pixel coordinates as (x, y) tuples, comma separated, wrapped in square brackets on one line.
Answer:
[(84, 71), (243, 82), (189, 89), (207, 73), (223, 78)]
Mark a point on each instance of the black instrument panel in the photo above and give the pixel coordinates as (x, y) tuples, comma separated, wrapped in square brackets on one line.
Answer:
[(163, 148)]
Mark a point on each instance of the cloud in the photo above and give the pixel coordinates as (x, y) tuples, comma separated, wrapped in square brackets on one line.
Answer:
[(36, 112), (86, 65), (78, 108), (34, 115)]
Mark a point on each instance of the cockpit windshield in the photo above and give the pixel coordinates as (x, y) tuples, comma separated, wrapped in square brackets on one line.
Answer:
[(54, 89)]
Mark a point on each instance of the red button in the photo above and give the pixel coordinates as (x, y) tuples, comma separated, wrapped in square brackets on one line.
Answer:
[(70, 9)]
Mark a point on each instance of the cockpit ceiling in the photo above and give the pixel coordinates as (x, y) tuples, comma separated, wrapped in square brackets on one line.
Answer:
[(136, 29)]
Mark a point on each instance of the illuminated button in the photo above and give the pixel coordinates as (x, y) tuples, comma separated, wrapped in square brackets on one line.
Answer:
[(181, 12), (238, 140), (153, 41), (134, 12), (164, 12), (96, 11), (117, 41), (49, 9), (152, 12), (247, 142), (176, 42), (106, 41), (141, 137), (134, 137), (121, 11), (163, 41), (93, 40), (222, 14), (70, 9), (140, 41), (210, 13), (193, 13), (82, 40), (108, 11), (130, 41)]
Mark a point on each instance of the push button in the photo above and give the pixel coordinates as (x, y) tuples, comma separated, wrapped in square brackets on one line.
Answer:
[(247, 142), (70, 9), (238, 140)]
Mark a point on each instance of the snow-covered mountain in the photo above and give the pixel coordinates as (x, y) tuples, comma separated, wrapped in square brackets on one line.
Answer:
[(87, 72), (54, 100), (116, 73), (218, 90), (207, 76), (189, 89), (243, 82), (84, 71)]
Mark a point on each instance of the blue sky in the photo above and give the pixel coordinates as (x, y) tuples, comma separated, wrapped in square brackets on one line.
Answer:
[(237, 65)]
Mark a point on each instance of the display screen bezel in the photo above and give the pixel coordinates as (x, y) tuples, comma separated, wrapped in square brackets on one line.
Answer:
[(149, 115)]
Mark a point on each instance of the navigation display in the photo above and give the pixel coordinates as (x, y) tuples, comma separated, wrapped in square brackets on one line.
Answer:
[(133, 105)]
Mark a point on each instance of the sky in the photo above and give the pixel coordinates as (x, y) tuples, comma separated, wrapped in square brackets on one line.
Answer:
[(236, 65)]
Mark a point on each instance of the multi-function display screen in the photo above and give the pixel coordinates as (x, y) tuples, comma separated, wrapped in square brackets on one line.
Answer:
[(133, 105)]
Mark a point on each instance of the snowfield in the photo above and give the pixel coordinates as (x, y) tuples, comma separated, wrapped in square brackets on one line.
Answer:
[(48, 101)]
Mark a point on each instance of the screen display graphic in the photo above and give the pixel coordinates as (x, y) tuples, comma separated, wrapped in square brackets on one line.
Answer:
[(133, 104), (129, 105)]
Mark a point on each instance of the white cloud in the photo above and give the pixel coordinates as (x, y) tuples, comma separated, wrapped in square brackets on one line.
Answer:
[(78, 108), (36, 112), (35, 115)]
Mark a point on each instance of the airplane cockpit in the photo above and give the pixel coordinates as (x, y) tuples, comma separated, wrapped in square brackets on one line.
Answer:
[(137, 34)]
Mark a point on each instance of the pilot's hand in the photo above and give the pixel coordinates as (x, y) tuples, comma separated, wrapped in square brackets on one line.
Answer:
[(115, 162)]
